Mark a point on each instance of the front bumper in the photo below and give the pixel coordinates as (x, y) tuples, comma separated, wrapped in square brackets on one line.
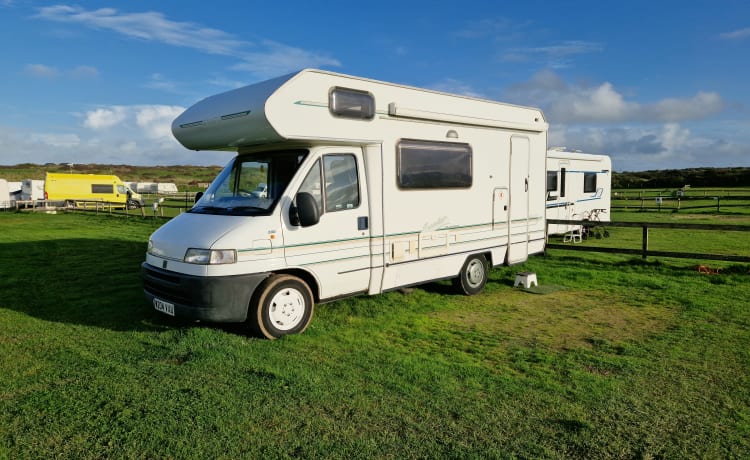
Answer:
[(204, 298)]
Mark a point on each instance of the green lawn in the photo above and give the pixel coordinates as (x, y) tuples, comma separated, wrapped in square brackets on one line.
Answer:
[(616, 359)]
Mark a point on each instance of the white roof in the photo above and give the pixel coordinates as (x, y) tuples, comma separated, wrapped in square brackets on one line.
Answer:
[(295, 107)]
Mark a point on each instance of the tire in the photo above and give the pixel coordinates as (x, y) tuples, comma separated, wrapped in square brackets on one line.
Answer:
[(283, 305), (473, 275)]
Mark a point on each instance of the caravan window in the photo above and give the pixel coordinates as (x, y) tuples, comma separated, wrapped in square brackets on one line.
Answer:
[(101, 188), (351, 103), (589, 182), (427, 164), (551, 181), (563, 172)]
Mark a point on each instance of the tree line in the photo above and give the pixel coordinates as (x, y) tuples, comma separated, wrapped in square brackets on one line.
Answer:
[(677, 178)]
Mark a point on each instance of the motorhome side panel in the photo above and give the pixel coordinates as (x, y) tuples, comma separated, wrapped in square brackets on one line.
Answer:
[(428, 232)]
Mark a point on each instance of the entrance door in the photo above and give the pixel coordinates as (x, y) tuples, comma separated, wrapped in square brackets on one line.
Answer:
[(336, 250), (518, 226)]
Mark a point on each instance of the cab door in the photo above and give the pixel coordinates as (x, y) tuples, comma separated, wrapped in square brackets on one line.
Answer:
[(335, 249)]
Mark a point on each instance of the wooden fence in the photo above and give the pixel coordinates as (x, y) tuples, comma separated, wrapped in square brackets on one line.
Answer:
[(644, 252), (669, 203)]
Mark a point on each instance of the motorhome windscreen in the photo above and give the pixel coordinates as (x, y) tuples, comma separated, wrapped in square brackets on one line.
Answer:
[(251, 184), (429, 164)]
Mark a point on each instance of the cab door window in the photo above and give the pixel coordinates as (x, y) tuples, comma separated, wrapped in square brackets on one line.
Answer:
[(336, 186), (341, 183)]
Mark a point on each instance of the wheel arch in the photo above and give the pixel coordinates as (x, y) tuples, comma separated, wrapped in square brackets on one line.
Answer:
[(306, 276)]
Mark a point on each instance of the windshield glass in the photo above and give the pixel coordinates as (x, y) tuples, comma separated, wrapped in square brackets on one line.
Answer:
[(251, 184)]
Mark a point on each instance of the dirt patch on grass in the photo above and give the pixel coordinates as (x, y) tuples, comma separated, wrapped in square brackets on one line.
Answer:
[(563, 319)]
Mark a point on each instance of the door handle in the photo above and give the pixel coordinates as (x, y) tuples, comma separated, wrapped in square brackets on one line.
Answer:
[(362, 223), (526, 184)]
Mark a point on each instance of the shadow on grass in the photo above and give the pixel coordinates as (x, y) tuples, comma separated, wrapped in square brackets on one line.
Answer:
[(93, 282)]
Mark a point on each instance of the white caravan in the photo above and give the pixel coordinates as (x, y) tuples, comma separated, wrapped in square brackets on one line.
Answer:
[(366, 186), (579, 187)]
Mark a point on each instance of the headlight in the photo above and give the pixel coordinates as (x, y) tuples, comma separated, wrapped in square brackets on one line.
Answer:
[(210, 256), (154, 250)]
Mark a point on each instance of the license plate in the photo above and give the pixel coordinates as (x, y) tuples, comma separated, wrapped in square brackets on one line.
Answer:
[(164, 307)]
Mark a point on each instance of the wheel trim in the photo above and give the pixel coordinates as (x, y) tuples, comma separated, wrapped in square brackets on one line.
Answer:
[(287, 309), (475, 273)]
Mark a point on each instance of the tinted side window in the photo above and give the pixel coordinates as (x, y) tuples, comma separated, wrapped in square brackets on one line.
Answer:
[(551, 181), (427, 164), (563, 172), (102, 188), (589, 182), (341, 183)]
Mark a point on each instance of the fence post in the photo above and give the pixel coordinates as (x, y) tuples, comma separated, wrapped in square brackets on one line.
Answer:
[(645, 242), (718, 204)]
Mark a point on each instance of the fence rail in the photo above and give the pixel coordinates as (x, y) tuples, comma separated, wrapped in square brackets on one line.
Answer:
[(645, 251), (672, 203)]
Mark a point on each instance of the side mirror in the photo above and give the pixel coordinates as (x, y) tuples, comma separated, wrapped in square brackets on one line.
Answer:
[(198, 196), (306, 212)]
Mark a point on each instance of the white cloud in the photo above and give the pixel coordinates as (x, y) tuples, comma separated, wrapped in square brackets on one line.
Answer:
[(104, 118), (45, 71), (658, 146), (736, 34), (264, 60), (42, 71), (694, 108), (565, 103), (555, 56), (121, 123), (156, 120), (56, 140), (278, 59), (149, 26), (84, 72)]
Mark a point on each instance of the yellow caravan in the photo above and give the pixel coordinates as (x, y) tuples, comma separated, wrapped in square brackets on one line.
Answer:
[(81, 188)]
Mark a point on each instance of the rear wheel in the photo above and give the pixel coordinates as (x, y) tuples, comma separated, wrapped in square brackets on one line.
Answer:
[(284, 305), (473, 275)]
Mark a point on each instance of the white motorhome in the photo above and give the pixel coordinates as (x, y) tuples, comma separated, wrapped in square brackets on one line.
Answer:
[(579, 187), (367, 187)]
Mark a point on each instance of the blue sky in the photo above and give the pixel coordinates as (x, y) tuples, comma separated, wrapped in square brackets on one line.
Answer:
[(654, 84)]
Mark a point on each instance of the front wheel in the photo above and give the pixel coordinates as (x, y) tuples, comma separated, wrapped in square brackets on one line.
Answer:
[(473, 275), (284, 305)]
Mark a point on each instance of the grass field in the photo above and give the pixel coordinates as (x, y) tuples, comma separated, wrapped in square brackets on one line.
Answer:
[(613, 358)]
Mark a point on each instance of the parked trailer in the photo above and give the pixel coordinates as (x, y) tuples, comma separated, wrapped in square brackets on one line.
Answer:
[(367, 187), (579, 186), (32, 190)]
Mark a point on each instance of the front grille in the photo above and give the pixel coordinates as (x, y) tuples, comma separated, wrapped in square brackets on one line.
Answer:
[(166, 286)]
